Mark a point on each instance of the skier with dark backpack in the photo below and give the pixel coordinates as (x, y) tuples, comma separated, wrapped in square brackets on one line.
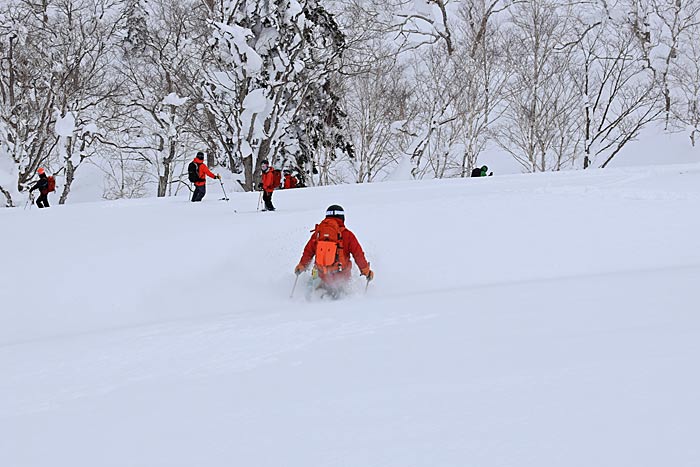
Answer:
[(45, 185), (193, 172), (197, 172), (330, 247)]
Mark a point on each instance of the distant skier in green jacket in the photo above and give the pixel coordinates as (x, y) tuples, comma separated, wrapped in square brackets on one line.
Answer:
[(481, 171)]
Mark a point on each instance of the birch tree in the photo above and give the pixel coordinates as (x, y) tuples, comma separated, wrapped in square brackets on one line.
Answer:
[(85, 33), (27, 82), (57, 78), (617, 82), (162, 69), (539, 97), (679, 27), (276, 62), (378, 102), (685, 80)]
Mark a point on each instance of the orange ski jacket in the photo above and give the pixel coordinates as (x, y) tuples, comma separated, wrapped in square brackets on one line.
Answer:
[(203, 171), (349, 244), (268, 180)]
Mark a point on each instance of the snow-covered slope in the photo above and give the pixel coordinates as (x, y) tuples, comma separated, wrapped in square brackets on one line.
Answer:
[(532, 320)]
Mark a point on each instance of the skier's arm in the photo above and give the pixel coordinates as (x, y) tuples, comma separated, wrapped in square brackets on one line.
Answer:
[(355, 249), (309, 253), (41, 184), (204, 170)]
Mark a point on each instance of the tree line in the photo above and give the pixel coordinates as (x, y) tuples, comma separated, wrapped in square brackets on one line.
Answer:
[(341, 91)]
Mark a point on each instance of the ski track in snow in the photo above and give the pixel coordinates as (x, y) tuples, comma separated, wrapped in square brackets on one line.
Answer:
[(209, 346)]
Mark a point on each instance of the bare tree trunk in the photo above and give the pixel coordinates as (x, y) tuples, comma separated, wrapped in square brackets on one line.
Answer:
[(211, 156), (164, 180), (587, 157), (70, 176), (70, 171), (8, 197), (70, 167), (264, 149), (248, 171)]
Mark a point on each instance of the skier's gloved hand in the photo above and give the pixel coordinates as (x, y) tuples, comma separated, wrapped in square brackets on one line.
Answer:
[(259, 186), (299, 269), (218, 176), (367, 272)]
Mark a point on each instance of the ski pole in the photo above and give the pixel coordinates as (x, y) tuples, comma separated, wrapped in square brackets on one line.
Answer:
[(370, 276), (223, 189), (294, 286), (30, 201)]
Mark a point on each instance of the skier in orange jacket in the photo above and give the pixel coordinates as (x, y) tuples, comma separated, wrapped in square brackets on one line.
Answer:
[(269, 181), (200, 185), (331, 244)]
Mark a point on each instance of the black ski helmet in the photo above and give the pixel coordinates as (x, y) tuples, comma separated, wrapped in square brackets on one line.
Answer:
[(200, 155), (335, 210)]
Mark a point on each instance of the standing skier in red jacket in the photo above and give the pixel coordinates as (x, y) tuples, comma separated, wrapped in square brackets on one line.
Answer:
[(270, 180), (201, 171)]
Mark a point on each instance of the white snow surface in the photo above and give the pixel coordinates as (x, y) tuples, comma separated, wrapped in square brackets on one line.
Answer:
[(521, 320)]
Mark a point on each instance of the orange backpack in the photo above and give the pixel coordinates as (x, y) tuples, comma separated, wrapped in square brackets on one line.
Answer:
[(330, 256), (51, 187)]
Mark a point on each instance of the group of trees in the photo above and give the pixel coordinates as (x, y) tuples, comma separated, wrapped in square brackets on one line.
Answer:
[(135, 87), (556, 85), (340, 90)]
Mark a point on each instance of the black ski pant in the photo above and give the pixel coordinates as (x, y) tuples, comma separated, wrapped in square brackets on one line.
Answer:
[(43, 201), (199, 192), (267, 198)]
